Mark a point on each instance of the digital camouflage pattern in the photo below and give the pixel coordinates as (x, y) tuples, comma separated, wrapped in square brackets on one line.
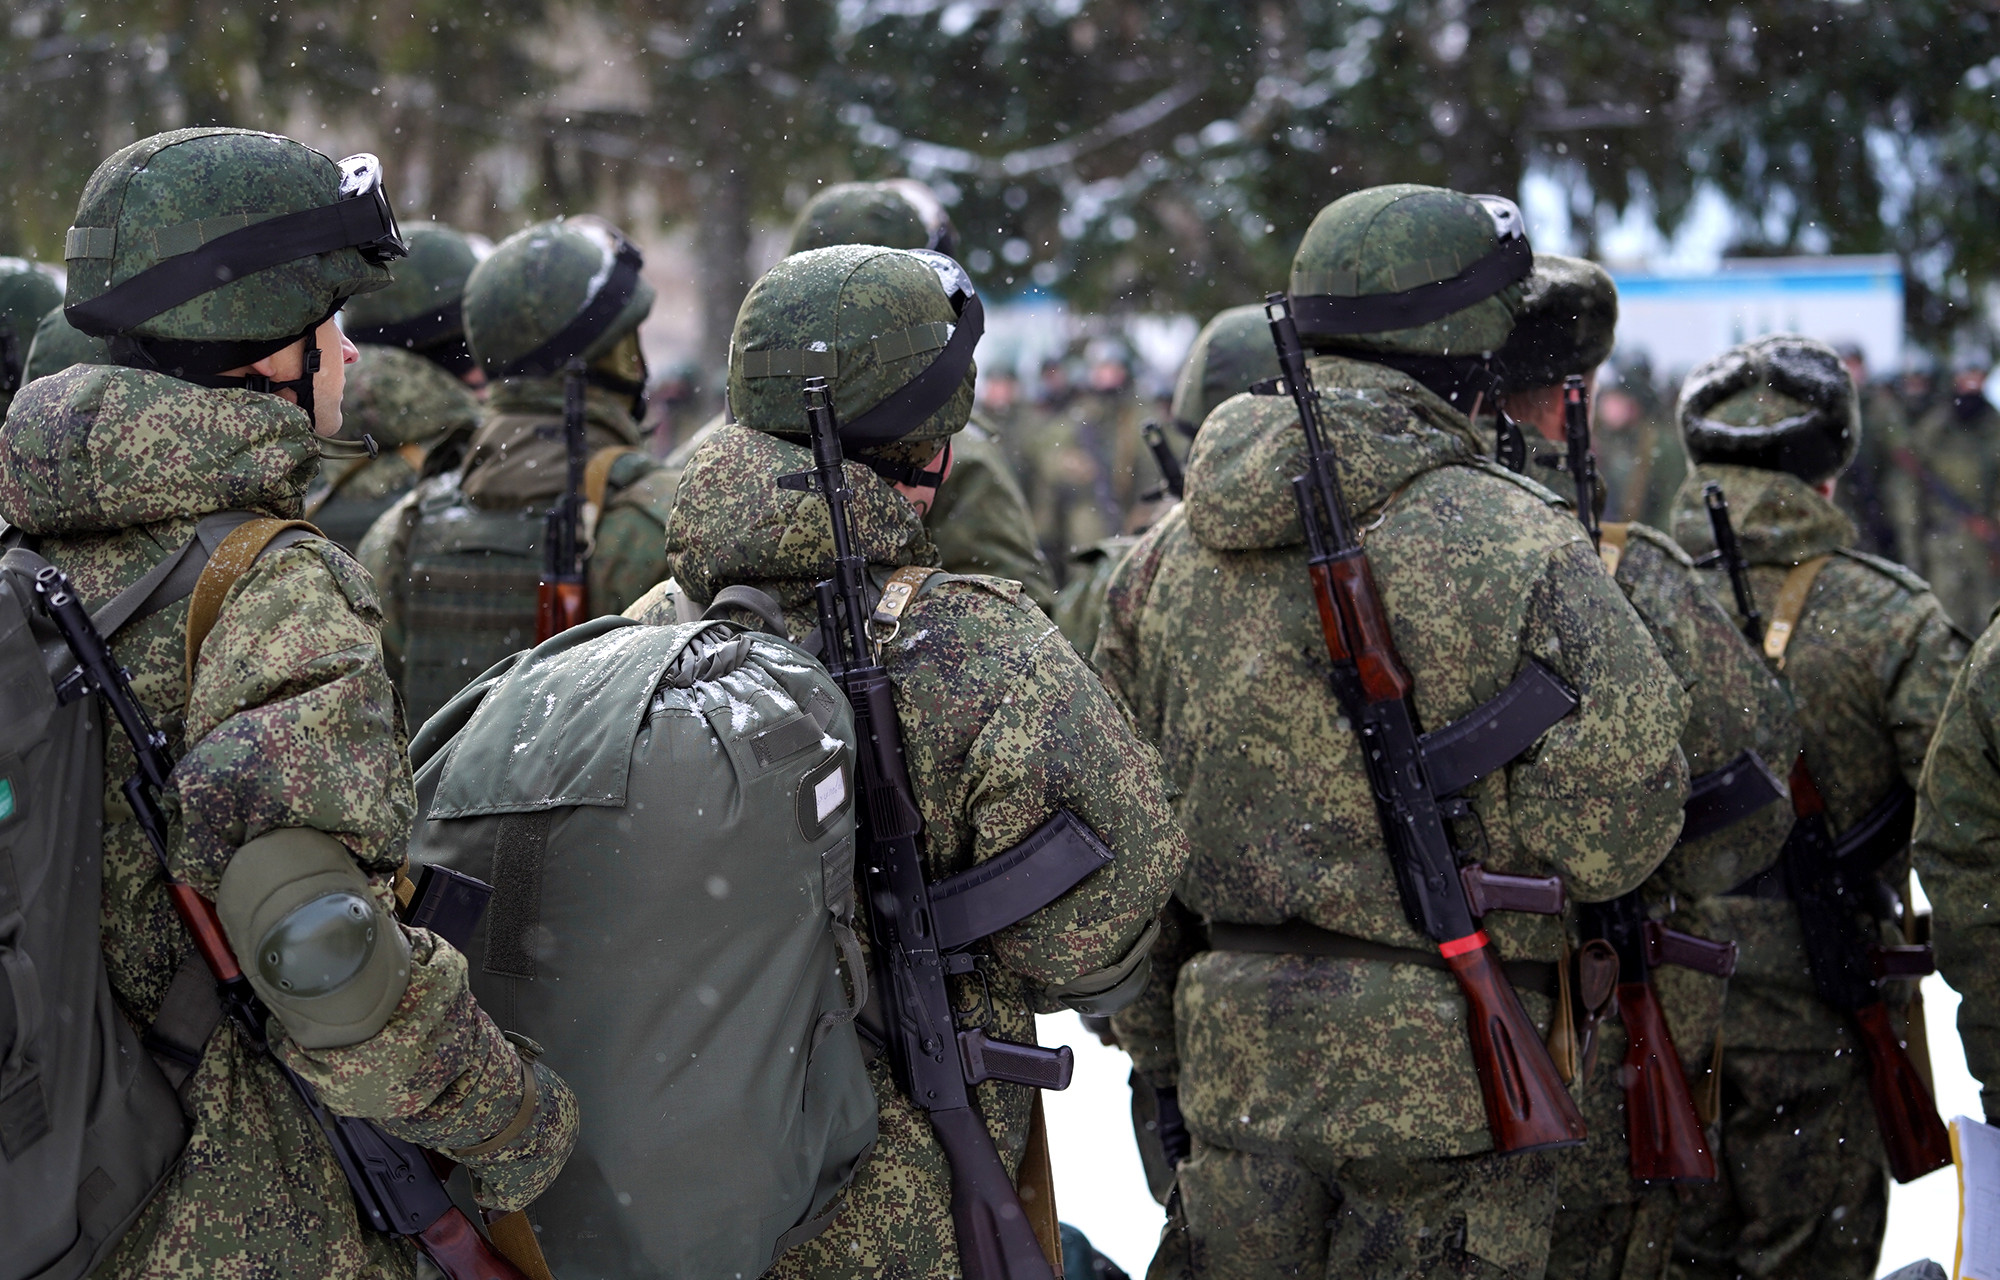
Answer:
[(1402, 236), (1232, 351), (1002, 723), (867, 319), (1735, 704), (430, 283), (1958, 812), (538, 280), (1248, 1215), (1869, 667), (1079, 612), (1212, 638), (59, 344), (517, 463), (863, 213), (185, 176), (27, 291), (291, 723), (980, 520), (409, 405), (1083, 470)]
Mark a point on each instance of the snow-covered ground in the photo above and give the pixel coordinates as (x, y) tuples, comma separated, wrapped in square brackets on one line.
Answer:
[(1101, 1189)]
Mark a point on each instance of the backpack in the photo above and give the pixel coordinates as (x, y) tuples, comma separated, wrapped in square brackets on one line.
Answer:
[(90, 1124), (665, 815), (469, 582)]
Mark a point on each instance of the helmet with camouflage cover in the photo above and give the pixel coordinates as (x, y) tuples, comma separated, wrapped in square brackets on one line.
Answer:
[(558, 291), (1232, 351), (59, 344), (27, 290), (1411, 270), (892, 331), (201, 250), (423, 310), (1566, 324), (901, 213), (1779, 403)]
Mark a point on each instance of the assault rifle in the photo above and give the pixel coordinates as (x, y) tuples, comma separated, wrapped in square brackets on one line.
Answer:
[(1831, 883), (562, 597), (394, 1185), (915, 924), (1578, 459), (1527, 1107), (1172, 474)]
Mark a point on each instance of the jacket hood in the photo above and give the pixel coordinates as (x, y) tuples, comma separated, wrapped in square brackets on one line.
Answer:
[(98, 448), (1384, 427), (1779, 518), (733, 524)]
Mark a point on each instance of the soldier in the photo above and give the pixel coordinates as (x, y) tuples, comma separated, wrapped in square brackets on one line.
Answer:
[(59, 344), (1084, 467), (27, 291), (1002, 722), (980, 520), (1868, 654), (1864, 491), (1958, 813), (459, 558), (1324, 1067), (293, 788), (409, 393), (1946, 495), (1232, 351), (1607, 1225)]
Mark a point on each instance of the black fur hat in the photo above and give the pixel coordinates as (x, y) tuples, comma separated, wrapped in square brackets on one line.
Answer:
[(1567, 323), (1780, 403)]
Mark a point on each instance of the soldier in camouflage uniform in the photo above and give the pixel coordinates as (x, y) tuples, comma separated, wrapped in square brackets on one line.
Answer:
[(1232, 351), (1869, 660), (1607, 1226), (1085, 466), (1945, 499), (27, 291), (293, 785), (1958, 813), (1002, 722), (458, 559), (408, 392), (1323, 1065), (59, 344)]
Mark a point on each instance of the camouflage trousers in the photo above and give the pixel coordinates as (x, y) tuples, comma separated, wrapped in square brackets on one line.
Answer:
[(1237, 1215), (1631, 1241), (1804, 1192)]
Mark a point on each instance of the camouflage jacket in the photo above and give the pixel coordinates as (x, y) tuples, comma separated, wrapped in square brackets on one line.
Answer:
[(1083, 470), (1958, 816), (515, 462), (1003, 724), (1212, 637), (1868, 668), (1735, 704), (979, 523), (407, 405), (290, 723)]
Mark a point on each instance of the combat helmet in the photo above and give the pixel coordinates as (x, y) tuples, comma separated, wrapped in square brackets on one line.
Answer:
[(423, 311), (1779, 403), (1232, 351), (1411, 270), (901, 213), (27, 289), (556, 294), (892, 331), (1566, 324), (59, 344), (201, 250)]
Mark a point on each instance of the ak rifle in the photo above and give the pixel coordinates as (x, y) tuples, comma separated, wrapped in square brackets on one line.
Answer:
[(562, 597)]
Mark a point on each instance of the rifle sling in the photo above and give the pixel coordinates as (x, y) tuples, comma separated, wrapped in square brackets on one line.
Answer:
[(1723, 797), (1498, 730), (1878, 836), (1791, 604), (1297, 937)]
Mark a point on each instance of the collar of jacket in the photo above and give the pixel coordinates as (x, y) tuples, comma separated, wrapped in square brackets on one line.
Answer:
[(1779, 518), (98, 448)]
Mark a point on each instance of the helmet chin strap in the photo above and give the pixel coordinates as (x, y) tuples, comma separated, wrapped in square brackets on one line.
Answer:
[(301, 386)]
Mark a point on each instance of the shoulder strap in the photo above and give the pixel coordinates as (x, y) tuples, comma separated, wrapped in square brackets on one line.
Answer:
[(1791, 603), (902, 587), (597, 472), (227, 563), (1611, 544), (751, 600)]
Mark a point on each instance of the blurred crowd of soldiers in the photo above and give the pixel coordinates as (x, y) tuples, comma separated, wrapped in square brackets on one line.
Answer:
[(1302, 1093)]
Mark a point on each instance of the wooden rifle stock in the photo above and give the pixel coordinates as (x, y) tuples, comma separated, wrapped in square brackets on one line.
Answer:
[(1912, 1131), (1662, 1130), (562, 597), (559, 605), (462, 1253), (1527, 1106)]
